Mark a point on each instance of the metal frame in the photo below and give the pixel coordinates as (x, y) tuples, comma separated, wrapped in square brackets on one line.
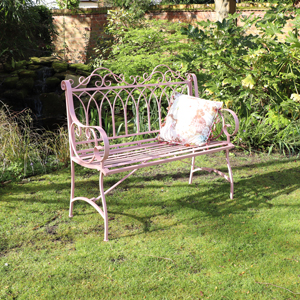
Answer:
[(92, 147)]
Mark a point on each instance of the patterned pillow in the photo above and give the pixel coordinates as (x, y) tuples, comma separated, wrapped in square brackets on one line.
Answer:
[(189, 120)]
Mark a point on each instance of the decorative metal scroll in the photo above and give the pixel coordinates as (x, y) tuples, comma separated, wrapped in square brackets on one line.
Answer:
[(125, 107), (104, 77)]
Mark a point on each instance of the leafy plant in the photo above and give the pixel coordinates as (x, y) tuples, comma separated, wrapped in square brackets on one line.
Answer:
[(26, 30), (252, 74), (68, 4), (272, 1), (136, 7), (137, 46), (186, 1)]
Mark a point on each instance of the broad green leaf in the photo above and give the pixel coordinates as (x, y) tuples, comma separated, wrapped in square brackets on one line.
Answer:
[(293, 39), (296, 22), (248, 82)]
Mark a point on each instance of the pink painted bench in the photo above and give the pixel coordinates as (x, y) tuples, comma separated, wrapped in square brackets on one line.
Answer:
[(113, 123)]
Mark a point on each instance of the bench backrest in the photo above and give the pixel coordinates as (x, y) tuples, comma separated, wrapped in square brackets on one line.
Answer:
[(133, 107)]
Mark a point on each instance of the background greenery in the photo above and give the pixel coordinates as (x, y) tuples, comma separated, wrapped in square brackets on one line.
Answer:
[(187, 2), (26, 30), (212, 1), (138, 45), (68, 4), (255, 74), (136, 8)]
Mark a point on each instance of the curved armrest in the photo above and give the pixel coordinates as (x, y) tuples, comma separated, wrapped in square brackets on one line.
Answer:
[(225, 126), (236, 121), (91, 136)]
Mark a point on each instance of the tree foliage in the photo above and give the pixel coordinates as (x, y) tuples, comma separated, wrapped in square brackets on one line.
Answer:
[(136, 45), (68, 4), (255, 74), (136, 8), (26, 29), (187, 1)]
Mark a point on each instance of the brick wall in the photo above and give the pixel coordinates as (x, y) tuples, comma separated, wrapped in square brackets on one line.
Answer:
[(78, 30)]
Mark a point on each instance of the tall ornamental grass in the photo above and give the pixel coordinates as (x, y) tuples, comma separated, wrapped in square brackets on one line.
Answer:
[(26, 150)]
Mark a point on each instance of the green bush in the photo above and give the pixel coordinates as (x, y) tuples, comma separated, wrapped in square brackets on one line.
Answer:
[(136, 46), (255, 75), (68, 4), (26, 30), (271, 1), (187, 1), (136, 7)]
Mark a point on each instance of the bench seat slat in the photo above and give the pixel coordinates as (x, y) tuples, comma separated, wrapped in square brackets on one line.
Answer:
[(152, 154)]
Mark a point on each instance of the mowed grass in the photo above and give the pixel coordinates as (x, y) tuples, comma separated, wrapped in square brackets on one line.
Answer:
[(168, 239)]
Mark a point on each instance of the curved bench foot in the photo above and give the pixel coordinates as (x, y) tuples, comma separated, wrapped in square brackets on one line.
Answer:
[(91, 201)]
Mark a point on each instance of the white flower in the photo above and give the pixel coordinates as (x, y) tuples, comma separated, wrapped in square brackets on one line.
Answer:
[(295, 97)]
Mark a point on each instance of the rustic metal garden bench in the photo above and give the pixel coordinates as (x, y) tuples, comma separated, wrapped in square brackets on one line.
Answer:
[(114, 121)]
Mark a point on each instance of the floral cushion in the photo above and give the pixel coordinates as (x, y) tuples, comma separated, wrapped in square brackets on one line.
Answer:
[(189, 120)]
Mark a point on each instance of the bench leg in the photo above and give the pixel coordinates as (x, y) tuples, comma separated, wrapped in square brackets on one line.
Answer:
[(229, 177), (192, 170), (230, 174), (91, 201), (104, 208), (72, 189)]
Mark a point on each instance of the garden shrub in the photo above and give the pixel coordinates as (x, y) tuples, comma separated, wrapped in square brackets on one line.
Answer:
[(136, 46), (186, 2), (26, 30), (255, 75), (68, 4), (271, 1), (137, 8)]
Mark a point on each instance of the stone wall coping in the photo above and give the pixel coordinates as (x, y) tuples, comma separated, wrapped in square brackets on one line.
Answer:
[(79, 11), (161, 8)]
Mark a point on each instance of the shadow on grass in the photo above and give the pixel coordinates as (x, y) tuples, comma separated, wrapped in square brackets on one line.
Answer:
[(213, 199), (251, 193), (209, 197)]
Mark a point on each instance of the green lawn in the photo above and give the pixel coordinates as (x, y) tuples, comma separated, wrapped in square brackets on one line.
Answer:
[(168, 239)]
